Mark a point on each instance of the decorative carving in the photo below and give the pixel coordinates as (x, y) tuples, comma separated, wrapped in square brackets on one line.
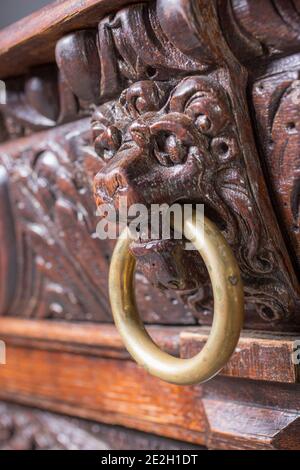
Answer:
[(181, 122), (56, 270), (38, 101), (191, 139), (51, 264), (8, 258), (193, 131), (277, 105), (256, 29)]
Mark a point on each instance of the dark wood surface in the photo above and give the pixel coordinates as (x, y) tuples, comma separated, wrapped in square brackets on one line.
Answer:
[(253, 28), (58, 269), (152, 111), (174, 101), (276, 100)]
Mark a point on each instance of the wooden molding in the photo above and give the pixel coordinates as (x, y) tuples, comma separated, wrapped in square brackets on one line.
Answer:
[(82, 371), (258, 356)]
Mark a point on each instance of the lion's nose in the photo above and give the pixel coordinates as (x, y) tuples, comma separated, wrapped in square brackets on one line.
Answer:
[(117, 180), (110, 184)]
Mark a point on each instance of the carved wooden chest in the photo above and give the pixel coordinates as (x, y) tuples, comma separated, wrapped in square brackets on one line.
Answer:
[(165, 102)]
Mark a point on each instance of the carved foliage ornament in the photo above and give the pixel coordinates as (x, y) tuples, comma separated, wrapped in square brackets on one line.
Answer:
[(52, 257)]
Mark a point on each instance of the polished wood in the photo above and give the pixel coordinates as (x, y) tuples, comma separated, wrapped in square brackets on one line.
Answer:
[(253, 28), (47, 187), (85, 338), (260, 356), (218, 414), (232, 186)]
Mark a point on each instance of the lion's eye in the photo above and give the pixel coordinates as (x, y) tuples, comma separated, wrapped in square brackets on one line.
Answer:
[(169, 149), (108, 142), (207, 114)]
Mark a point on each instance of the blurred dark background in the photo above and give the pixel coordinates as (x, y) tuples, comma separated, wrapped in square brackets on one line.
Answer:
[(13, 10)]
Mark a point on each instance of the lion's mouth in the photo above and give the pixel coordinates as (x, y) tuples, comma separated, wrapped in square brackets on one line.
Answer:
[(143, 247)]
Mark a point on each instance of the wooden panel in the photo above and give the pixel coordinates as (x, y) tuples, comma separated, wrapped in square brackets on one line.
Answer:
[(31, 41), (258, 356), (276, 98), (144, 55), (118, 392), (96, 339), (106, 390)]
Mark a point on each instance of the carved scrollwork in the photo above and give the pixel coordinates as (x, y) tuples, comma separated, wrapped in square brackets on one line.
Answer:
[(257, 29), (192, 140), (277, 105)]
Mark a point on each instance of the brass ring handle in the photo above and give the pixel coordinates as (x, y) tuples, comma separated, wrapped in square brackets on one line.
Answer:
[(228, 308)]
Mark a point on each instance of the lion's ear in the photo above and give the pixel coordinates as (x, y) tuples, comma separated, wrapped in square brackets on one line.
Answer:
[(205, 103)]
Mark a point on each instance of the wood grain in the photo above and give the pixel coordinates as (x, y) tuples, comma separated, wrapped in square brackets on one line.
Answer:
[(258, 356), (119, 392)]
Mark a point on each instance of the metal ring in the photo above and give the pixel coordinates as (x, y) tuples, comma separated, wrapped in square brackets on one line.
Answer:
[(228, 308)]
